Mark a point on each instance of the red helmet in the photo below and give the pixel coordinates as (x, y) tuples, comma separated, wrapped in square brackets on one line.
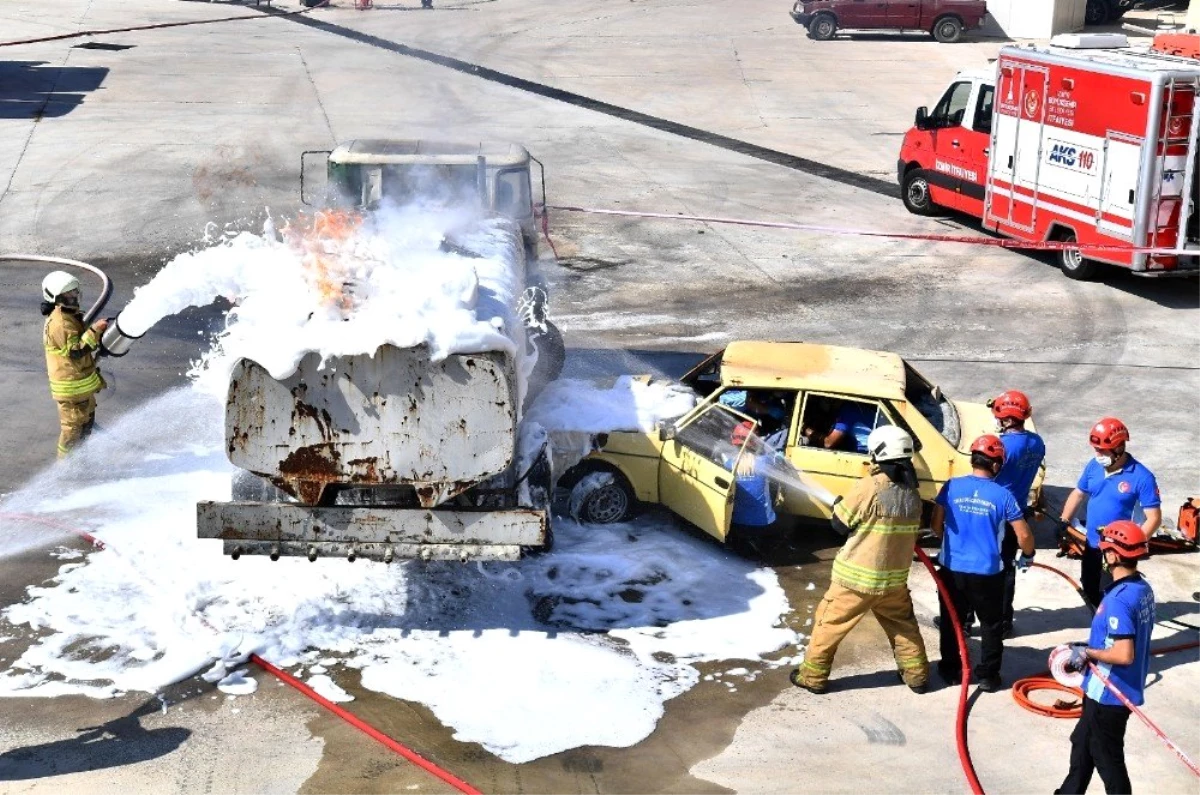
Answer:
[(989, 445), (1011, 404), (741, 433), (1126, 538), (1108, 434)]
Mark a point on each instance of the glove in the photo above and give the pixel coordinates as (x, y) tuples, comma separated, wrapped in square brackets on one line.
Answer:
[(1079, 658), (1022, 562)]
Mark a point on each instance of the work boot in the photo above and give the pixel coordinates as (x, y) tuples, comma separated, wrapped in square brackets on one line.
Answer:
[(1008, 631), (798, 681), (918, 689), (990, 684)]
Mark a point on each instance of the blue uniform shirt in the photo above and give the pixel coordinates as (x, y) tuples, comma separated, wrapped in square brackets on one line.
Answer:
[(1024, 452), (856, 420), (1113, 497), (1126, 611), (976, 510), (752, 502)]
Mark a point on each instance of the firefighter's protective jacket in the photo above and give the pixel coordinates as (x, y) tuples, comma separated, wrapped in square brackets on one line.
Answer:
[(885, 520), (71, 356)]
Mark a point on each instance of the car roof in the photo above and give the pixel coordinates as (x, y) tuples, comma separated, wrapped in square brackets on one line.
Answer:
[(803, 365)]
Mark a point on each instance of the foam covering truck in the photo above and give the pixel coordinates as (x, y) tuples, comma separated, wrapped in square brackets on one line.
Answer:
[(1085, 141), (402, 453)]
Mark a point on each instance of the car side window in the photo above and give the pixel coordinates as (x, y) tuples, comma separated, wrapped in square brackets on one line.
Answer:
[(711, 434), (983, 110), (840, 424), (772, 409), (952, 107)]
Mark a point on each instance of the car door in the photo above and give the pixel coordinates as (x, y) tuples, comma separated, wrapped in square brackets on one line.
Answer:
[(830, 473), (862, 14), (946, 127), (904, 14), (695, 473), (975, 142)]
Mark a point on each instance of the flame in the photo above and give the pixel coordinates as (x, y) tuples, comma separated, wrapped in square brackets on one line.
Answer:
[(323, 241)]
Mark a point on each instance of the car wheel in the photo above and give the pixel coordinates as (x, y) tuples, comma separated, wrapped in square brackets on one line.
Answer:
[(947, 30), (822, 27), (1097, 12), (915, 192), (1073, 263), (603, 496)]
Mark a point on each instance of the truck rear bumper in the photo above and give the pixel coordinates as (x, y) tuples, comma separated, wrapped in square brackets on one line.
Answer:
[(282, 529)]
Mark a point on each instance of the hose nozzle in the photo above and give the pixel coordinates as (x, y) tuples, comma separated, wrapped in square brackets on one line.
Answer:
[(116, 342)]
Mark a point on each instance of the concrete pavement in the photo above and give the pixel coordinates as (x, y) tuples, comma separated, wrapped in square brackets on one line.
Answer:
[(125, 155)]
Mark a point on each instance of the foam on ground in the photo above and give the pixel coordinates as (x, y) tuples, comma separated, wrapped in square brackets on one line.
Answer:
[(582, 646)]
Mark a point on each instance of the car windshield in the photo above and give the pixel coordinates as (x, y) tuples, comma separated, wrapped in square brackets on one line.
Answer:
[(932, 404)]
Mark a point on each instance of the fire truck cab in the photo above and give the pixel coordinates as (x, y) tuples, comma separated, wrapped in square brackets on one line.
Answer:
[(1086, 141)]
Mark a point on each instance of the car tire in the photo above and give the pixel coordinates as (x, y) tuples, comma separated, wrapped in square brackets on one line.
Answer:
[(947, 30), (1098, 12), (915, 193), (611, 503), (823, 27), (1072, 262)]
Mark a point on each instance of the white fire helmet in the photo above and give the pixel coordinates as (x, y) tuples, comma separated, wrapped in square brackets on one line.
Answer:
[(889, 443), (56, 283)]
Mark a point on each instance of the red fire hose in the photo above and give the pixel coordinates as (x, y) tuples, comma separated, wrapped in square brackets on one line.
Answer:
[(964, 750), (1060, 709), (283, 676)]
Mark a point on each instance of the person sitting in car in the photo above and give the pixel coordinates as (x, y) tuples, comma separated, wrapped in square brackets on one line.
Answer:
[(851, 427)]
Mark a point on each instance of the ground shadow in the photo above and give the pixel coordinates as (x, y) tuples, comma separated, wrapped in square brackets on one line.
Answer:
[(117, 743), (35, 90)]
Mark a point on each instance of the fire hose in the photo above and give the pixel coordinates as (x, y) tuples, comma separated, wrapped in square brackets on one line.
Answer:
[(283, 676), (1022, 688)]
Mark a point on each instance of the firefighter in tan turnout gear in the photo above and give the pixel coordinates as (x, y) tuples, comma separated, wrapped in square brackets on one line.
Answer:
[(882, 515), (70, 359)]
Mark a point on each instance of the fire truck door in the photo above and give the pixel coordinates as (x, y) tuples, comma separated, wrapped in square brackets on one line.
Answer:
[(975, 143), (1118, 184), (948, 123), (1015, 162)]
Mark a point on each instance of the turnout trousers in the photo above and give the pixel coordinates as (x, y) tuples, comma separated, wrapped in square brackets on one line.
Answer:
[(840, 611), (75, 422), (1098, 743)]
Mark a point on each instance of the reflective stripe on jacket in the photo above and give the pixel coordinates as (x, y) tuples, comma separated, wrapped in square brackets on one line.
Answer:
[(71, 356), (885, 520)]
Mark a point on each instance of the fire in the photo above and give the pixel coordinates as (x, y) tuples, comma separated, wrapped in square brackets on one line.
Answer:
[(324, 242)]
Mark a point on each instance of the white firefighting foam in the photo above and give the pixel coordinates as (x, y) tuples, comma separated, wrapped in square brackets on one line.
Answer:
[(341, 284), (607, 626)]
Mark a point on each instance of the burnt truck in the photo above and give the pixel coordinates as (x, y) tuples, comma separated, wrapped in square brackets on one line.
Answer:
[(401, 454)]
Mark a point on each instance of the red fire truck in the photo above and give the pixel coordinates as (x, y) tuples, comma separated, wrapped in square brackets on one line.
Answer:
[(1087, 141)]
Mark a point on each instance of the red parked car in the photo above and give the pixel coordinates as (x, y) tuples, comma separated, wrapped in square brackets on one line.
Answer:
[(944, 19)]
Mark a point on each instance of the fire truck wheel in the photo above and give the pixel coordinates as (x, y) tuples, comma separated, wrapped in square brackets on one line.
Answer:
[(1073, 263), (822, 27), (947, 30), (915, 193)]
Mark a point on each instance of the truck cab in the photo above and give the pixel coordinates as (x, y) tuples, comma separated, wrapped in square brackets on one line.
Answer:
[(944, 157), (945, 20), (494, 176)]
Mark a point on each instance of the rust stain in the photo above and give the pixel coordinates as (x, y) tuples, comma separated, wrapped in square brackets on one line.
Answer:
[(309, 469)]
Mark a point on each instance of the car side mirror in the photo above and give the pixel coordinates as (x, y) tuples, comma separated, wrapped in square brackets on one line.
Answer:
[(666, 432), (922, 120)]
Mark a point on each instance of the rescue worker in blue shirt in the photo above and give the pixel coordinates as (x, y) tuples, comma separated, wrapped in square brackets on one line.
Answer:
[(1119, 646), (969, 516), (1024, 452), (1114, 483), (850, 430), (753, 497)]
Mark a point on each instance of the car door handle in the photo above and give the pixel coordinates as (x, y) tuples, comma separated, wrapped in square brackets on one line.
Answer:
[(954, 142), (722, 482), (987, 151)]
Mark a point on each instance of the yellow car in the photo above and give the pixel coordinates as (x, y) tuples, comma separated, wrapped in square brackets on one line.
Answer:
[(814, 404)]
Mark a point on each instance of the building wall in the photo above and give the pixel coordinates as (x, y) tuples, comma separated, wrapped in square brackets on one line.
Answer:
[(1036, 19)]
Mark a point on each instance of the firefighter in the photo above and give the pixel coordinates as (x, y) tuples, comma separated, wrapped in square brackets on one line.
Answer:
[(1119, 645), (1024, 452), (969, 516), (882, 516), (1114, 483), (70, 359)]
